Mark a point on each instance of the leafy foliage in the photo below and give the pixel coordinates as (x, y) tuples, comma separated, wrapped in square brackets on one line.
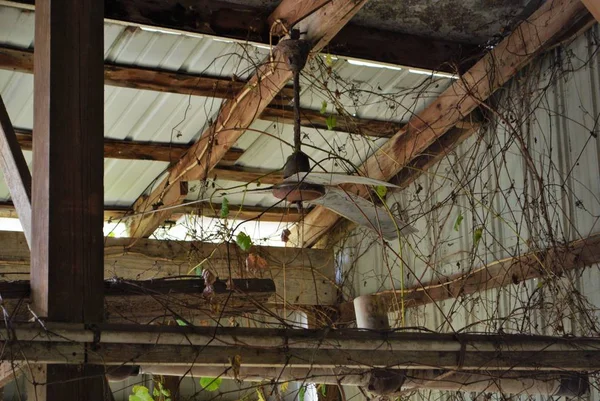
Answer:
[(211, 383), (140, 393), (224, 208), (331, 122), (458, 221), (244, 241)]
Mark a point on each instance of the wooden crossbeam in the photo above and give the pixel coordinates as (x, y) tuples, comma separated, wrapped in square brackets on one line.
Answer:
[(517, 50), (131, 150), (352, 349), (146, 301), (237, 114), (551, 262), (594, 7), (15, 171), (115, 214), (301, 276), (199, 85), (243, 22)]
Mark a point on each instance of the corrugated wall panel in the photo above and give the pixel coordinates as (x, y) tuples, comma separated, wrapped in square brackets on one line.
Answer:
[(532, 179)]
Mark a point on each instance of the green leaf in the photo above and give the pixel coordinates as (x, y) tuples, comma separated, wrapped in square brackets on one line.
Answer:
[(112, 234), (165, 392), (381, 190), (181, 322), (328, 60), (323, 389), (324, 107), (243, 241), (210, 383), (198, 270), (458, 221), (140, 393), (224, 208), (331, 122), (156, 392), (477, 236), (301, 393), (540, 284), (259, 392)]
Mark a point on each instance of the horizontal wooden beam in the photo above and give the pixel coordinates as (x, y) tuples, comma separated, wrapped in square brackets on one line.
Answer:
[(217, 346), (243, 22), (145, 301), (243, 213), (134, 150), (549, 263), (302, 277), (198, 85)]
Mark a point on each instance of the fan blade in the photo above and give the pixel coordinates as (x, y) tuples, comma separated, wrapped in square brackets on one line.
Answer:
[(363, 212), (335, 179)]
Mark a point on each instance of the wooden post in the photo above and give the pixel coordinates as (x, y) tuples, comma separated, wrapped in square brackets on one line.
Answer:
[(67, 196)]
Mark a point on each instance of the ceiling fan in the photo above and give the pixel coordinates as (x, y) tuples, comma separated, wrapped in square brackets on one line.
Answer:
[(301, 185)]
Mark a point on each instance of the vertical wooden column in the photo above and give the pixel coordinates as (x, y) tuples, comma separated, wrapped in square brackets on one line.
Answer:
[(67, 196)]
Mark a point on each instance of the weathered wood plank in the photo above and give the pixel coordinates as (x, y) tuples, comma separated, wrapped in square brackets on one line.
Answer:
[(15, 171), (212, 346), (303, 276), (552, 262), (198, 85), (133, 150), (517, 50), (273, 214), (236, 115), (594, 7)]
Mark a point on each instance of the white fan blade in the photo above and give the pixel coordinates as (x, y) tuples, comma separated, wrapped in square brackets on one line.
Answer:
[(335, 179), (363, 212)]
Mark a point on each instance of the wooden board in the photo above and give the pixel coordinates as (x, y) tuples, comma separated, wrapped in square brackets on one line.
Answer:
[(301, 276), (15, 171), (199, 85), (528, 40)]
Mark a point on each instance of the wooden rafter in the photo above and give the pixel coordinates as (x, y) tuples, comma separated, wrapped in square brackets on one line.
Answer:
[(594, 7), (117, 214), (132, 150), (237, 114), (15, 171), (517, 50), (501, 273), (199, 85)]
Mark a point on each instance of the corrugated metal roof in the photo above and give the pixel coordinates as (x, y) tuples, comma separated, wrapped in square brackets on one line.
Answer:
[(165, 117)]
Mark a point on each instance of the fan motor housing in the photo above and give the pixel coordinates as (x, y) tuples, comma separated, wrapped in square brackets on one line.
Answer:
[(298, 192)]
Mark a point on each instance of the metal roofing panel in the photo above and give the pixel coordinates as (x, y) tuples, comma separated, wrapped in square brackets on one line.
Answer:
[(165, 117)]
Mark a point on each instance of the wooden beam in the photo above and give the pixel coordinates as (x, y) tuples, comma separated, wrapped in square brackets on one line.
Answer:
[(15, 170), (550, 263), (301, 276), (133, 150), (147, 301), (527, 41), (293, 348), (272, 214), (237, 114), (198, 85), (594, 8), (67, 193), (242, 22)]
